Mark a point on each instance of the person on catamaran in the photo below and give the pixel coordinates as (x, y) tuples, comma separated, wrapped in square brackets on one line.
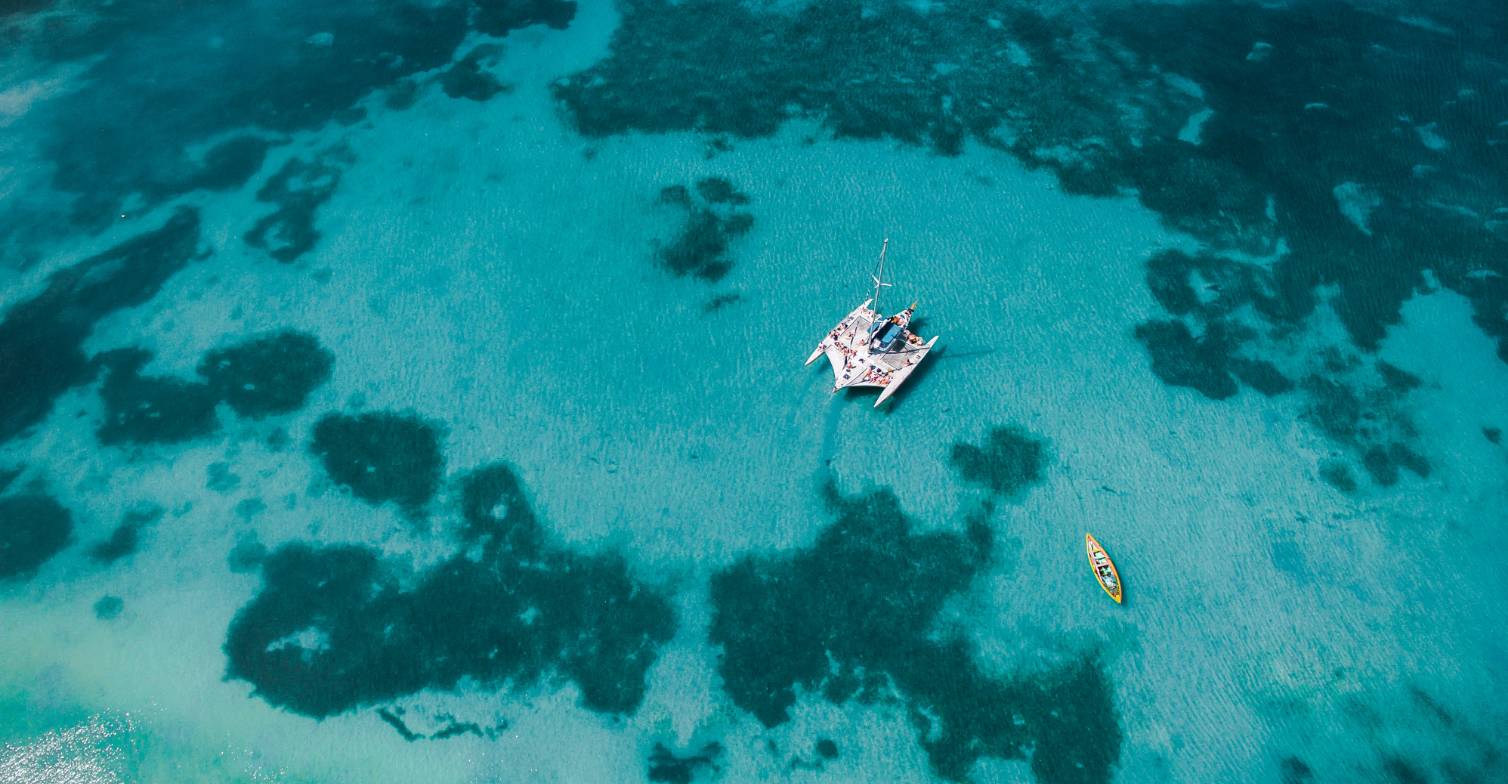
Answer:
[(869, 349)]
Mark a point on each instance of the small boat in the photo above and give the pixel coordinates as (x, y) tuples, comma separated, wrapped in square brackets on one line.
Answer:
[(1104, 568), (868, 350)]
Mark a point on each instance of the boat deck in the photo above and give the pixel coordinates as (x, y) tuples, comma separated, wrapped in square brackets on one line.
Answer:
[(895, 360), (856, 364)]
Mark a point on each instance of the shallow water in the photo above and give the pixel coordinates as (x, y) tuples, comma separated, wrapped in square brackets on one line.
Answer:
[(414, 392)]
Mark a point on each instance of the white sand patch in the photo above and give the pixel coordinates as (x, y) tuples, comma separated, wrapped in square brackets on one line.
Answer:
[(1017, 54), (1184, 85), (1431, 138), (1192, 130), (1356, 202), (17, 100), (1426, 23)]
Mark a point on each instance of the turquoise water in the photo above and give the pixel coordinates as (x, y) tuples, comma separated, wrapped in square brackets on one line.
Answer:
[(412, 391)]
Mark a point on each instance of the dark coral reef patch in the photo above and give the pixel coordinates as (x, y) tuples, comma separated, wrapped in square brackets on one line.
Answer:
[(1317, 118), (230, 163), (1355, 191), (108, 608), (1010, 461), (381, 456), (1303, 111), (1182, 360), (126, 537), (1214, 357), (329, 58), (335, 628), (42, 339), (246, 556), (42, 354), (394, 719), (257, 377), (807, 623), (1358, 404), (152, 409), (871, 71), (268, 375), (18, 7), (1400, 733), (1292, 770), (714, 218), (297, 190), (667, 767), (33, 528), (399, 720), (1362, 411), (109, 139), (8, 475), (499, 17), (495, 513), (1365, 208), (467, 78)]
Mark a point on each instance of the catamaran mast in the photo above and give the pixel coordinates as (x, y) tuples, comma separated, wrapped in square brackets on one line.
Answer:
[(879, 277)]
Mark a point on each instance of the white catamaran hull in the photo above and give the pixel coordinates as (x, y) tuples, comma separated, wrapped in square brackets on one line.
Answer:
[(856, 364)]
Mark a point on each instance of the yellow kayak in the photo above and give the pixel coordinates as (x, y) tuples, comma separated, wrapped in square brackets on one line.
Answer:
[(1104, 568)]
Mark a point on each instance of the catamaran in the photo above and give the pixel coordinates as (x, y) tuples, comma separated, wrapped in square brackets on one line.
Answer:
[(868, 350)]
